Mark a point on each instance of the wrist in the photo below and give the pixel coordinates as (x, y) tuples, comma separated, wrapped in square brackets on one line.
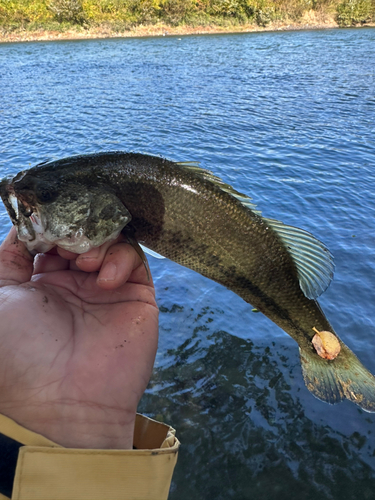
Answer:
[(78, 426)]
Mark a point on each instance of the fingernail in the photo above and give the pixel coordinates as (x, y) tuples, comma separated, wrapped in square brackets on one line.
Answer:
[(108, 273)]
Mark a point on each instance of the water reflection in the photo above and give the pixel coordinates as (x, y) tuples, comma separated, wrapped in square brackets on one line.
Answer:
[(244, 431)]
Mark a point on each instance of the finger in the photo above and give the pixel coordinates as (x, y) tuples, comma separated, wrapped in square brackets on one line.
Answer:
[(128, 292), (16, 263), (92, 260), (66, 254), (121, 264), (47, 263)]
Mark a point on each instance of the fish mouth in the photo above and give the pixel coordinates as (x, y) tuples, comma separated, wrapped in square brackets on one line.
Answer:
[(23, 204), (25, 215), (21, 194)]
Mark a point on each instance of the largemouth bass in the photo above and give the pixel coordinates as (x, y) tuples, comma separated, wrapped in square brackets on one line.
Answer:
[(190, 216)]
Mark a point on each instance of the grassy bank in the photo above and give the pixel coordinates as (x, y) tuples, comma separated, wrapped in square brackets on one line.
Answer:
[(41, 19)]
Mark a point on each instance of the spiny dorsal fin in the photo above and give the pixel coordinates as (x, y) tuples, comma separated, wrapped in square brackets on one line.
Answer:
[(209, 176), (314, 261)]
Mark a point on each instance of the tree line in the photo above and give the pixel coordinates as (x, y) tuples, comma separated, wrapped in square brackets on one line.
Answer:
[(120, 15)]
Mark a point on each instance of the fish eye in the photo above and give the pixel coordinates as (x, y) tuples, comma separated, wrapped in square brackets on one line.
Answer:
[(45, 195)]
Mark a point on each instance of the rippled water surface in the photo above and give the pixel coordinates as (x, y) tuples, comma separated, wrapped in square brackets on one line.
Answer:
[(288, 118)]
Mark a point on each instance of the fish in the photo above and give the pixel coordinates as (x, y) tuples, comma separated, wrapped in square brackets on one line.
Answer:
[(187, 214)]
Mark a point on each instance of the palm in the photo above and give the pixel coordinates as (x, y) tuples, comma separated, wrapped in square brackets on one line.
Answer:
[(73, 350)]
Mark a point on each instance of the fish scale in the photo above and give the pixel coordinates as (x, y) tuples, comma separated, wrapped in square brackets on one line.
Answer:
[(192, 217)]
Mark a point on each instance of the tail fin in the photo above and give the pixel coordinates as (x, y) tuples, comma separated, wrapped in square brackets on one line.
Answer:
[(343, 377)]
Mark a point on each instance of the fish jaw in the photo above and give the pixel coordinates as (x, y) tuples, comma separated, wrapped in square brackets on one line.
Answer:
[(34, 233), (31, 232)]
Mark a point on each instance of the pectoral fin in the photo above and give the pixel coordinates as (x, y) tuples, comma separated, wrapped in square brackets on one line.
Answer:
[(151, 252), (138, 248)]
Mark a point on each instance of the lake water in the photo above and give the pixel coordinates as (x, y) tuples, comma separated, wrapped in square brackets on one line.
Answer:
[(288, 118)]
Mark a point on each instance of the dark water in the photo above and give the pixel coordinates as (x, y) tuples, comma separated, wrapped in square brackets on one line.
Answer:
[(288, 118)]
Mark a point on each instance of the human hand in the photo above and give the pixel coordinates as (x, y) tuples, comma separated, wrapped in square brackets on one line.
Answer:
[(78, 338)]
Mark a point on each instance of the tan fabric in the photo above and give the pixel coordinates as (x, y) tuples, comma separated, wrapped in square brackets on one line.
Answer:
[(46, 471), (10, 428)]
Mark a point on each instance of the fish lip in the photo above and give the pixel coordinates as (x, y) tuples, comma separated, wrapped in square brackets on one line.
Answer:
[(21, 203), (27, 203), (6, 187), (25, 197)]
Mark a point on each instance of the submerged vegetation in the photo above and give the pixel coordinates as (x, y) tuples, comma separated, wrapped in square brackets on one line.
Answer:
[(122, 15)]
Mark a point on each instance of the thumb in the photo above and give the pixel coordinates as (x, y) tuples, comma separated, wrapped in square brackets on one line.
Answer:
[(16, 263)]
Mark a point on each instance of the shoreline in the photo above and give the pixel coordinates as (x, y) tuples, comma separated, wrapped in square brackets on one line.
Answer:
[(309, 22), (158, 30)]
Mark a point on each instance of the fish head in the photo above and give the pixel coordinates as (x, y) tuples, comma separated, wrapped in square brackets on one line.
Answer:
[(49, 211)]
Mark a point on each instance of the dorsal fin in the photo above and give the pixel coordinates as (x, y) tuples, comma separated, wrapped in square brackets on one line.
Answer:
[(209, 176), (314, 261)]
